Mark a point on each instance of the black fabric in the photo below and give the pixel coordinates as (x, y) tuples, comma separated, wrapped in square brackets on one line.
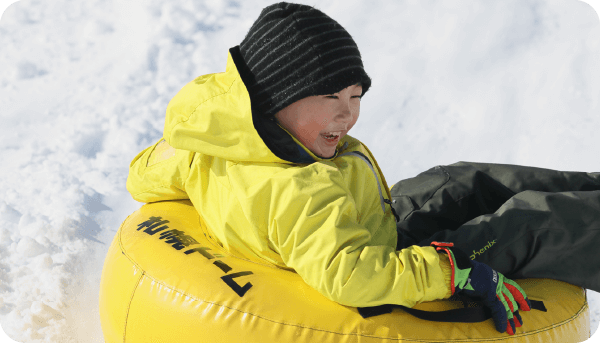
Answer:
[(275, 138), (462, 315), (524, 222), (293, 51)]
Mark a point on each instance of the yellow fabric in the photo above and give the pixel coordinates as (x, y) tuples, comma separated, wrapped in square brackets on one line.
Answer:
[(161, 152), (323, 220), (447, 271)]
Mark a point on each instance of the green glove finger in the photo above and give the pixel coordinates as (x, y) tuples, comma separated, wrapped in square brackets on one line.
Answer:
[(514, 284), (512, 304), (505, 296), (505, 300), (518, 294)]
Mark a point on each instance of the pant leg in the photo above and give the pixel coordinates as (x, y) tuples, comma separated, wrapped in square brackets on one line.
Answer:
[(436, 203), (445, 197)]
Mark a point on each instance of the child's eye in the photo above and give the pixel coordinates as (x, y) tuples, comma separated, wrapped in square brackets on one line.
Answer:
[(331, 96)]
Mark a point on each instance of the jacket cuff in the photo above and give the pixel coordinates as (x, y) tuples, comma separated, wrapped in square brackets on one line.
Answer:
[(447, 271)]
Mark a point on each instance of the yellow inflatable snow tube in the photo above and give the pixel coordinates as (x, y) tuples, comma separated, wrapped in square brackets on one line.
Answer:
[(165, 280)]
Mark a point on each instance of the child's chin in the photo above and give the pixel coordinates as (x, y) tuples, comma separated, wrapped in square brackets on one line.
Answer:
[(326, 153)]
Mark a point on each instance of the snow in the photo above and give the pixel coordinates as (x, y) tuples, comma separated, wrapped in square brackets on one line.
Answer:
[(84, 86)]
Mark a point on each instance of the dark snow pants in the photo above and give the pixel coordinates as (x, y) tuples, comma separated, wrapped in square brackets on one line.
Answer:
[(525, 222)]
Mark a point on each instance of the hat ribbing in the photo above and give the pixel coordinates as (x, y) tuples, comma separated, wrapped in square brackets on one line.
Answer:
[(294, 51)]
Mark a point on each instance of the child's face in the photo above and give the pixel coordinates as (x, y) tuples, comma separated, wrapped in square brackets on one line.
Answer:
[(320, 121)]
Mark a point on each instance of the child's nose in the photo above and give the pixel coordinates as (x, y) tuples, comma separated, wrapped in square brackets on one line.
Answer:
[(345, 116), (345, 111)]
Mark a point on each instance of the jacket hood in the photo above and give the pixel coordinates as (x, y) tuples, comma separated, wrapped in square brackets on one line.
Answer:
[(213, 115)]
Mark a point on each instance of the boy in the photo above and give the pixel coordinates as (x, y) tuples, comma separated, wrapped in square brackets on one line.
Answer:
[(262, 152)]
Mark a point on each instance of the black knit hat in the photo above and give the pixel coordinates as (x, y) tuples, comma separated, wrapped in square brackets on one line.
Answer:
[(294, 51)]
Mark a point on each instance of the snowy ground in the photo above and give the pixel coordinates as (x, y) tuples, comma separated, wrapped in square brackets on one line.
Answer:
[(84, 85)]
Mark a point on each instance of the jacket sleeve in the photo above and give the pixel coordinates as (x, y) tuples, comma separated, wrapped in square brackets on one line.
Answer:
[(158, 173), (314, 227)]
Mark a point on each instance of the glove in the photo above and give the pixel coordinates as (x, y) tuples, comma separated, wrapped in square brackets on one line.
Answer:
[(478, 280)]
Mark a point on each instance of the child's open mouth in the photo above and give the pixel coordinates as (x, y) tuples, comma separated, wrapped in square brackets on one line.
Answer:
[(332, 137)]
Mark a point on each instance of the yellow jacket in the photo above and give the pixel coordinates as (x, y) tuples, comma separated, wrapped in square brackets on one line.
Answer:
[(323, 218)]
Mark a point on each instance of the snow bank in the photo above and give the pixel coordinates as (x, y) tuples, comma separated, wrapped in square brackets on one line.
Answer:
[(84, 85)]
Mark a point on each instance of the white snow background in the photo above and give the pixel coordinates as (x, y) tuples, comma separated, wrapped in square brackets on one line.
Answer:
[(84, 85)]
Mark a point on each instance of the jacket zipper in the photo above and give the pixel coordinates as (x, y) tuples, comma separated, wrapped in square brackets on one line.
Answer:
[(382, 200)]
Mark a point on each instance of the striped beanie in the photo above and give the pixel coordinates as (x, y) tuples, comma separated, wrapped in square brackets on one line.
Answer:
[(294, 51)]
